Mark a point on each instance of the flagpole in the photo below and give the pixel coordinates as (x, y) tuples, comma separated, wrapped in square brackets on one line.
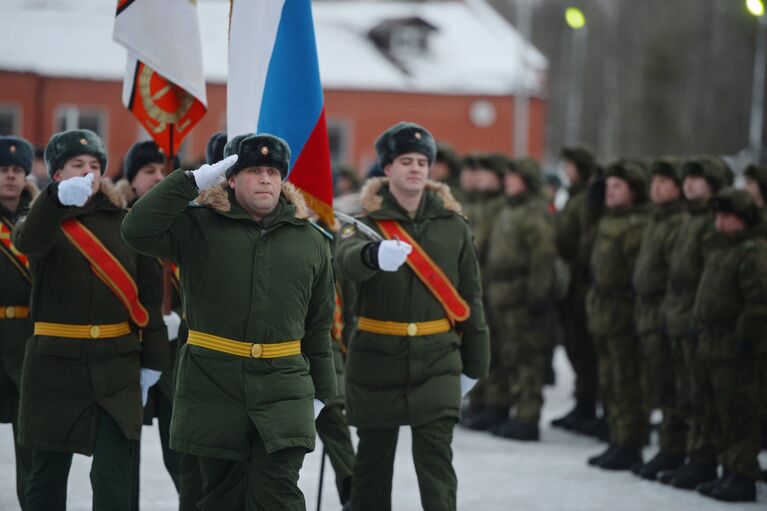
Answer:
[(167, 300)]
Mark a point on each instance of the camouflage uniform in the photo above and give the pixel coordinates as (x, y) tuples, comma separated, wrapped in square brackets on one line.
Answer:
[(686, 268), (576, 229), (610, 308), (730, 313), (521, 282), (650, 280)]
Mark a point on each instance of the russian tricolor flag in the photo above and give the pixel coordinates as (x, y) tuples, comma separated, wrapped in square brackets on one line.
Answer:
[(274, 87)]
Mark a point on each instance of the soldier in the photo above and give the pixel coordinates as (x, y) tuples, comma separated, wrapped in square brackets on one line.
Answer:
[(143, 168), (489, 400), (703, 177), (576, 229), (257, 286), (447, 169), (421, 338), (650, 281), (99, 341), (521, 287), (610, 307), (731, 317), (756, 185), (16, 192)]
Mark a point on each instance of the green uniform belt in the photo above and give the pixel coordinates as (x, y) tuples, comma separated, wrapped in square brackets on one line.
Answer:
[(244, 349), (375, 326)]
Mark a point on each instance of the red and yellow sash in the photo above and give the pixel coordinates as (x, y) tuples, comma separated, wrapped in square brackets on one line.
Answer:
[(17, 259), (106, 267), (429, 273), (174, 272), (337, 330)]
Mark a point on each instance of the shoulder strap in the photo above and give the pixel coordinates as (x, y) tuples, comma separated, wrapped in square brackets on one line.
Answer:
[(429, 273), (107, 268), (17, 259)]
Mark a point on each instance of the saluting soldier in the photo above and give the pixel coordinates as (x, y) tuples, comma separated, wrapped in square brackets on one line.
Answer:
[(99, 340), (421, 327), (610, 307), (650, 281), (143, 168), (16, 192), (257, 286), (521, 287), (702, 178), (731, 317)]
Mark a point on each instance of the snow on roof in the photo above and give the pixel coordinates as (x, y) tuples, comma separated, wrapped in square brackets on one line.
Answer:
[(472, 51)]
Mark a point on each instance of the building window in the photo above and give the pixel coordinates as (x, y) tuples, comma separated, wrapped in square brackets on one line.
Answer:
[(339, 139), (407, 41), (70, 117), (10, 119)]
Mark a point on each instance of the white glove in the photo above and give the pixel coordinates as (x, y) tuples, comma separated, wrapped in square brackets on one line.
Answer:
[(392, 254), (208, 175), (172, 322), (318, 406), (148, 378), (76, 190), (467, 384)]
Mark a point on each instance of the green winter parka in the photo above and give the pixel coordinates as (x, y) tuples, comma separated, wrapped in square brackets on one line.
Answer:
[(245, 281), (15, 290), (66, 381), (390, 380), (610, 301)]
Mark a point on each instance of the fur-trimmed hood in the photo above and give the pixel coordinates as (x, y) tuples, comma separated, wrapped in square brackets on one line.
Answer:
[(125, 189), (217, 198), (371, 200)]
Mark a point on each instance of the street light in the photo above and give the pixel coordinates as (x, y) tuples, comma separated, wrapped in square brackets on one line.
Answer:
[(577, 21), (756, 7)]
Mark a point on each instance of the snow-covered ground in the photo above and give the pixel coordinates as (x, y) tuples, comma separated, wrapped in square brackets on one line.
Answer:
[(493, 474)]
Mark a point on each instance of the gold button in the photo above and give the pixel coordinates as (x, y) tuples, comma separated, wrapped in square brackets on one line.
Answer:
[(10, 312), (256, 350), (412, 329), (95, 332)]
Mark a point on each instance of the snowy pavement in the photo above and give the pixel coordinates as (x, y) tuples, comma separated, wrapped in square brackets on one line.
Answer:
[(493, 474)]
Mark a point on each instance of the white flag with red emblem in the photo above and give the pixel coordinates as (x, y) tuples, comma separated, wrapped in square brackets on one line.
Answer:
[(164, 84)]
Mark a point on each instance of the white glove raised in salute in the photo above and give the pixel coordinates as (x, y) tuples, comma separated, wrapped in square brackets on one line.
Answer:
[(392, 254), (75, 191), (208, 175)]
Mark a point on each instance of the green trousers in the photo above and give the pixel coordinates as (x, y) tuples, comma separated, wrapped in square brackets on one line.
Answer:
[(620, 386), (730, 394), (333, 430), (659, 391), (190, 490), (111, 475), (266, 482), (23, 465), (432, 456)]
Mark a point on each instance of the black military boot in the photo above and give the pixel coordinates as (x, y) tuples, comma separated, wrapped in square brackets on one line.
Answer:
[(691, 474), (485, 419), (515, 429), (732, 488), (622, 458), (581, 412), (660, 462), (596, 460)]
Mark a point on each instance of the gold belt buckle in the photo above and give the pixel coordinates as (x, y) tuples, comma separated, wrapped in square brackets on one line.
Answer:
[(256, 350), (10, 312), (95, 331), (412, 329)]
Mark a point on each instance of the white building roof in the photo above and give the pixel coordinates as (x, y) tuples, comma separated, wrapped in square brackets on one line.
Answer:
[(472, 51)]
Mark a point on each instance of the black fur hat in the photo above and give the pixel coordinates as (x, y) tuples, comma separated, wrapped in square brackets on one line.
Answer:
[(65, 145), (16, 151), (405, 137), (258, 150)]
